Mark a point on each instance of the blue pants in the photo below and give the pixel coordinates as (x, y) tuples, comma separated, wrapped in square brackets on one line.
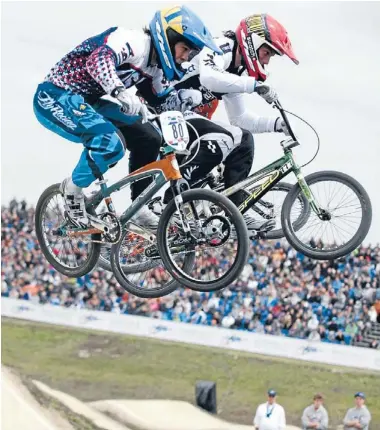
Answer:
[(68, 115)]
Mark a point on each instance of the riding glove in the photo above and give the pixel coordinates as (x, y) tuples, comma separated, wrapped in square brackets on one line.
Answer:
[(266, 92), (281, 127), (132, 105)]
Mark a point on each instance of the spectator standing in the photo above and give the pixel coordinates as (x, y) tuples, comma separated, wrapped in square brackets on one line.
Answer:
[(315, 416), (358, 417), (270, 415)]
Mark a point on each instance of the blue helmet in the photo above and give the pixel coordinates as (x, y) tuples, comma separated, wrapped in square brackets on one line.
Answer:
[(175, 24)]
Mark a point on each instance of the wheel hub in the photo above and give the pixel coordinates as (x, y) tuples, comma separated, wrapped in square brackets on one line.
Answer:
[(217, 230), (325, 215)]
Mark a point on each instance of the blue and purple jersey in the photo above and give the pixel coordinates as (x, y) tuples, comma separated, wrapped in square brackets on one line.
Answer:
[(114, 58)]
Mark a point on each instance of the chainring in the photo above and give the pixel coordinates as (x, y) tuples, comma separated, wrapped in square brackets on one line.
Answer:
[(113, 235)]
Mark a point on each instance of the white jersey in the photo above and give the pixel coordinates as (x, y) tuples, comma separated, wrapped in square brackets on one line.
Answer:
[(270, 417), (215, 70), (217, 78)]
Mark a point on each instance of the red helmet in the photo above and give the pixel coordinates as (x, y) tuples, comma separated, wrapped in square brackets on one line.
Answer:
[(257, 30)]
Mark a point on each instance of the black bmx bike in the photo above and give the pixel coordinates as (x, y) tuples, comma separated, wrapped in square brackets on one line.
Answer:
[(325, 215)]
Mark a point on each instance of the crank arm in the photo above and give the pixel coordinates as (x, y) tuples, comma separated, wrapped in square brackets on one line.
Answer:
[(98, 224), (143, 232), (85, 232)]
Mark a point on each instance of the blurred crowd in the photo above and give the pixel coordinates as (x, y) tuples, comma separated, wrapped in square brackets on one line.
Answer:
[(280, 291)]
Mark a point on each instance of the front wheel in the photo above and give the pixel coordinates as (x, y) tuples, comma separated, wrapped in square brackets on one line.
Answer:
[(212, 228), (344, 223)]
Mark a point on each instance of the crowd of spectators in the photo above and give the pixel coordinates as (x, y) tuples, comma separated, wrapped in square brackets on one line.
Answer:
[(280, 291)]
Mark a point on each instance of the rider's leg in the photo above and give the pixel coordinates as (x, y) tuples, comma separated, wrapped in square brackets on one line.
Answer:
[(214, 145), (230, 140), (143, 142), (238, 164), (68, 115)]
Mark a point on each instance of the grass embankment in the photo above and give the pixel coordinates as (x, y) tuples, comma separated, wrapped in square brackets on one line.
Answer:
[(95, 365)]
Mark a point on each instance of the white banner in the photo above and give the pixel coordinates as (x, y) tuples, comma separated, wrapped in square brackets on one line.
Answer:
[(278, 346)]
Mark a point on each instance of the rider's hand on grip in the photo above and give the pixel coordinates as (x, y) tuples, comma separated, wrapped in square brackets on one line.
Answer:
[(266, 92), (189, 98), (281, 127), (132, 105)]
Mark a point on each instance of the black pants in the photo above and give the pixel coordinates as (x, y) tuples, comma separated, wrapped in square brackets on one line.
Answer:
[(143, 142), (237, 164)]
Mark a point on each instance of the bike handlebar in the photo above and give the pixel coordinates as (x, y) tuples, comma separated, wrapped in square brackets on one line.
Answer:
[(278, 105)]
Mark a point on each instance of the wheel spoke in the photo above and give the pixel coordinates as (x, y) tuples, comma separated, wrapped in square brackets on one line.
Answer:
[(65, 251), (345, 208)]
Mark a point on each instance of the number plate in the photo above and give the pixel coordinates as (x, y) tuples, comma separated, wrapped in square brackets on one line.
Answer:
[(174, 130)]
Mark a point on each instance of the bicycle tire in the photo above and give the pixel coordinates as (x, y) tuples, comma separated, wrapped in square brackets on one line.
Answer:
[(94, 253), (121, 275), (354, 242), (105, 264), (240, 230)]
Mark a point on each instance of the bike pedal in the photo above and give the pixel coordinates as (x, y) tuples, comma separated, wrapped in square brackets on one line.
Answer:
[(267, 205), (258, 234), (261, 235), (262, 232)]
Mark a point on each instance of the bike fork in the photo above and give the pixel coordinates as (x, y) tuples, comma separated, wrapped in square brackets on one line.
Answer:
[(320, 212), (178, 186)]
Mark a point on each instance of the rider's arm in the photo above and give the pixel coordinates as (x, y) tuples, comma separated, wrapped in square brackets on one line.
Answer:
[(240, 117), (154, 98), (121, 46), (213, 74), (170, 98)]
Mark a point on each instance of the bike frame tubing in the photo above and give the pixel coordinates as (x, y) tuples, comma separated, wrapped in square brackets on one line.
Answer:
[(162, 171), (276, 172)]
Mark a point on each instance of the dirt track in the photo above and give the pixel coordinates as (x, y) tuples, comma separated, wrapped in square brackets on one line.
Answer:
[(21, 411)]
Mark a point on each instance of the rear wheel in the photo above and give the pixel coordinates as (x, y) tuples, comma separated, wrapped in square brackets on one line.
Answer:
[(270, 206), (104, 262), (71, 256)]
